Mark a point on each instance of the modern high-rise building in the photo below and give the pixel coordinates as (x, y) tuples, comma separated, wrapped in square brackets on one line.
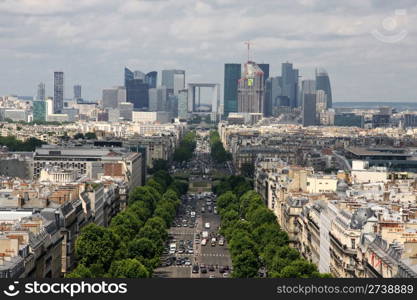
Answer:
[(137, 92), (273, 94), (323, 83), (58, 92), (265, 69), (158, 99), (152, 79), (309, 110), (39, 110), (77, 92), (321, 100), (41, 92), (113, 97), (290, 83), (251, 89), (307, 87), (183, 104), (128, 76), (232, 75), (136, 89), (173, 105), (268, 98), (174, 80)]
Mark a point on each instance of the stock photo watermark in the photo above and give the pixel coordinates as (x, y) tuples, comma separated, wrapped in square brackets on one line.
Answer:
[(393, 28)]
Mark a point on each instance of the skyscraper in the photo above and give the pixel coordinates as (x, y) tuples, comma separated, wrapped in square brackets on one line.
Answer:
[(174, 80), (251, 89), (183, 104), (265, 69), (128, 76), (39, 110), (113, 97), (158, 99), (136, 89), (152, 79), (308, 87), (137, 93), (41, 92), (268, 98), (58, 92), (290, 83), (77, 92), (323, 83), (232, 74), (139, 75), (309, 110)]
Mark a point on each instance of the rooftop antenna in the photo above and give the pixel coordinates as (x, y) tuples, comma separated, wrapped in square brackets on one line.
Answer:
[(248, 43)]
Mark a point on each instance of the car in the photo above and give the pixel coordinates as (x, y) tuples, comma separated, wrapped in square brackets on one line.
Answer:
[(178, 262), (221, 269), (226, 268), (225, 274), (204, 242), (195, 269), (203, 269), (187, 262), (203, 210), (211, 276), (207, 225), (211, 268), (215, 210), (221, 242), (209, 209), (190, 251), (213, 242)]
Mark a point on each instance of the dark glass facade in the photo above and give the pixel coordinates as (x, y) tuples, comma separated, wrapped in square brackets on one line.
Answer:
[(232, 74), (58, 92), (151, 79), (137, 92), (323, 83)]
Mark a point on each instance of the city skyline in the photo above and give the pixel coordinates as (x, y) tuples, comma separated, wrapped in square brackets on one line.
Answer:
[(339, 41)]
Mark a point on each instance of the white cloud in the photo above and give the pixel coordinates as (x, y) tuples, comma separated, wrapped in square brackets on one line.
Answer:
[(88, 37)]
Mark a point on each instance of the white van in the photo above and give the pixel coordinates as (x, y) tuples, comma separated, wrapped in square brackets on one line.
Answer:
[(172, 248)]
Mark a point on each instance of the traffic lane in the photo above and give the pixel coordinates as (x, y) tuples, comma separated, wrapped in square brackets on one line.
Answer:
[(173, 272)]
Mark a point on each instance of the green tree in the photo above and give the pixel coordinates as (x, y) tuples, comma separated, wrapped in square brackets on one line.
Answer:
[(78, 136), (245, 265), (153, 183), (96, 245), (159, 164), (126, 225), (81, 271), (142, 247), (91, 136), (128, 268)]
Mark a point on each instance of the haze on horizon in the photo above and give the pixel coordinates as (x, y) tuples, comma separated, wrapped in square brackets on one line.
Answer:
[(92, 40)]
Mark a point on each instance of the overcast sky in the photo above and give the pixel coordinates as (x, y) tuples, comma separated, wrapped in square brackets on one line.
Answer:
[(369, 47)]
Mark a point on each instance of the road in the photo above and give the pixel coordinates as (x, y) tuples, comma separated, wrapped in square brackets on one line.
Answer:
[(187, 229)]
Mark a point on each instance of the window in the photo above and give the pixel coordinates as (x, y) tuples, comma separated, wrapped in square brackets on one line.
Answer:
[(353, 241)]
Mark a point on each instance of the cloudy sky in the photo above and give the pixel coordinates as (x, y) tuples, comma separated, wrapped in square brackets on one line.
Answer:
[(367, 46)]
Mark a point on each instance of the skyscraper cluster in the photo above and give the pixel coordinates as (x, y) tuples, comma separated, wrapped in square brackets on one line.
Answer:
[(255, 91)]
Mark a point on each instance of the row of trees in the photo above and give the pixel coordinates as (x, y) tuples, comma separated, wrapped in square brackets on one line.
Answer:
[(218, 153), (14, 144), (87, 136), (255, 238), (185, 150), (131, 246)]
